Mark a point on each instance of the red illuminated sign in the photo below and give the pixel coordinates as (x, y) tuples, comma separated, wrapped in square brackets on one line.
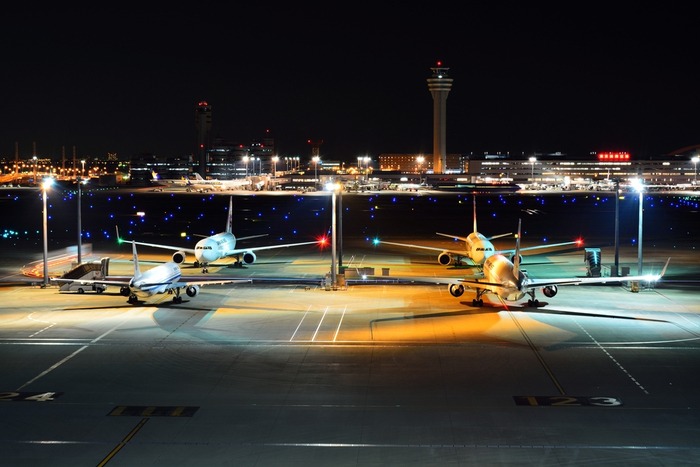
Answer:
[(613, 156)]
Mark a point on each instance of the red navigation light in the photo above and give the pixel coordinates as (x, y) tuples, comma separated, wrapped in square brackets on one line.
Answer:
[(579, 242), (322, 241), (439, 63)]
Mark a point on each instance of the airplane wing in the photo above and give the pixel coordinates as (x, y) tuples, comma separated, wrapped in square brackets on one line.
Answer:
[(165, 247), (250, 236), (116, 282), (464, 239), (203, 282), (461, 253), (536, 247), (268, 247), (157, 245), (533, 283)]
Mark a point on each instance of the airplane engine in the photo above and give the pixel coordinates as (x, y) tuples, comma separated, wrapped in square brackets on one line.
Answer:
[(444, 259), (520, 258), (192, 290), (550, 291), (456, 290), (124, 291), (179, 257), (249, 257)]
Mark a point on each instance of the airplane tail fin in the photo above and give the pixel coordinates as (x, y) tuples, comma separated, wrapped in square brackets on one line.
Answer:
[(516, 260), (229, 222), (137, 270), (197, 176)]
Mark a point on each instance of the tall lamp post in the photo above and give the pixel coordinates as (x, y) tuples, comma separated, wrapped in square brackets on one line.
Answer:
[(617, 227), (316, 159), (420, 160), (638, 185), (695, 160), (245, 159), (333, 188), (532, 169), (80, 227), (274, 166), (46, 184)]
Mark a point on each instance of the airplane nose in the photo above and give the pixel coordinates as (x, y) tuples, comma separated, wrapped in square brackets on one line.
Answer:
[(209, 255)]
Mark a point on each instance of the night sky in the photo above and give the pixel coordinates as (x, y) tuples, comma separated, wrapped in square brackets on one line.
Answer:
[(583, 77)]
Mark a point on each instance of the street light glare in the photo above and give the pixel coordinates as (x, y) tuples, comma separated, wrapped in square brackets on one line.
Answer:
[(637, 184)]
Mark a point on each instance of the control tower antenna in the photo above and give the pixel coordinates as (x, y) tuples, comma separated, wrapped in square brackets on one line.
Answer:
[(439, 86)]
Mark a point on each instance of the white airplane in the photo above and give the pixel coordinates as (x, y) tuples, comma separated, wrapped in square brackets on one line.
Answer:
[(164, 278), (477, 247), (213, 248), (509, 282), (203, 185), (168, 182)]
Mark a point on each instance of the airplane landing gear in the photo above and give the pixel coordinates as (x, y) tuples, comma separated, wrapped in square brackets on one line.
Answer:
[(532, 301)]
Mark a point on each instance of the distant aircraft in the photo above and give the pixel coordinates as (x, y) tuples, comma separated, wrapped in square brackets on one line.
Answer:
[(477, 247), (164, 278), (213, 248), (509, 282), (168, 182), (203, 185), (197, 183)]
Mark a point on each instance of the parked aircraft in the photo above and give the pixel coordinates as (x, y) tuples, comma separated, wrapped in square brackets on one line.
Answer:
[(505, 279), (215, 247), (197, 183), (164, 278), (477, 247)]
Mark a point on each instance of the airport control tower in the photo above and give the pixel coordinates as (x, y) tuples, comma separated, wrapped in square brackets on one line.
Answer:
[(439, 86), (202, 122)]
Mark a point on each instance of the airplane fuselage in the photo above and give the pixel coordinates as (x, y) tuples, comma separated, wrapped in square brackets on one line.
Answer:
[(155, 281), (213, 248), (479, 247), (499, 270)]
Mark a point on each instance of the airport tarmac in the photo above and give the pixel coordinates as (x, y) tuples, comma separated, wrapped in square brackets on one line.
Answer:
[(370, 374)]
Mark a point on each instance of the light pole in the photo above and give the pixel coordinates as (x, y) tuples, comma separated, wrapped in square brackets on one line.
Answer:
[(316, 159), (617, 227), (420, 160), (274, 166), (245, 159), (638, 185), (333, 188), (532, 169), (45, 186), (695, 160), (80, 227)]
